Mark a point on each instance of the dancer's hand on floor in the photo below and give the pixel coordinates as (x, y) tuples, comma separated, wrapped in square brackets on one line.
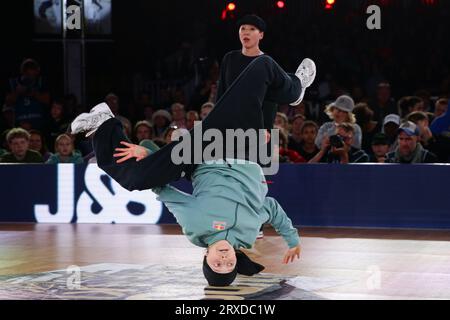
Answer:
[(291, 254), (131, 151)]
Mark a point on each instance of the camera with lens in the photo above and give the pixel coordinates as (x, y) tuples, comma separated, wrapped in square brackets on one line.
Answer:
[(336, 141)]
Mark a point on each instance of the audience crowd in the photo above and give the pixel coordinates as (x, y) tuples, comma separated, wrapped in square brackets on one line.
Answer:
[(349, 127)]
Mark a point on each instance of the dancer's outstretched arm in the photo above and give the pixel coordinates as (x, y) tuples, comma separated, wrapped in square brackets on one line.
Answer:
[(283, 226)]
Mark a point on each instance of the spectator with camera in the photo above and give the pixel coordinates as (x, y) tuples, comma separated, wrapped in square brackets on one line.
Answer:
[(338, 148), (409, 149), (340, 111)]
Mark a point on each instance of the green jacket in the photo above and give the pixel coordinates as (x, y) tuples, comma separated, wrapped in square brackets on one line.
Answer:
[(31, 157), (228, 203)]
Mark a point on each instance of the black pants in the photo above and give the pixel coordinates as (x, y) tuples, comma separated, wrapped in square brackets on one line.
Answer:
[(240, 107)]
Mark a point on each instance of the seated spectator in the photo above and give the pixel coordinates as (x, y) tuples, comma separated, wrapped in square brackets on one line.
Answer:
[(440, 127), (409, 149), (191, 117), (8, 118), (143, 130), (112, 101), (206, 109), (161, 120), (287, 155), (380, 148), (383, 103), (421, 120), (38, 143), (57, 124), (3, 141), (148, 113), (205, 92), (440, 107), (65, 153), (19, 142), (178, 115), (307, 148), (339, 148), (282, 123), (340, 111), (295, 137), (409, 104), (29, 96), (364, 118), (391, 123)]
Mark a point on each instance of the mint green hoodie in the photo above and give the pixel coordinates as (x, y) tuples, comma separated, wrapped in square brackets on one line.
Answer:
[(228, 203), (56, 158)]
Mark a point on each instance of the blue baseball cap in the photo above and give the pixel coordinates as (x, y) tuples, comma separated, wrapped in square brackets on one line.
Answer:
[(410, 128)]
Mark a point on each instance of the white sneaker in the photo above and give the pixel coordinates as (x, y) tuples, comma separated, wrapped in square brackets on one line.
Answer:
[(306, 72), (91, 121)]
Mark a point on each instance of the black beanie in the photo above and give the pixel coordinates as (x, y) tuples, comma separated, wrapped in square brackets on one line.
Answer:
[(244, 266), (216, 279), (254, 20)]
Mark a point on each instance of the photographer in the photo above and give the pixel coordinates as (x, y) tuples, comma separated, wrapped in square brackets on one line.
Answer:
[(28, 96), (338, 148)]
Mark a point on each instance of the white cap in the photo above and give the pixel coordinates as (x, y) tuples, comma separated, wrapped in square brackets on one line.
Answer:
[(391, 118)]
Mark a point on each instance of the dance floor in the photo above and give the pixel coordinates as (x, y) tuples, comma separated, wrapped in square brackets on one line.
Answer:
[(87, 261)]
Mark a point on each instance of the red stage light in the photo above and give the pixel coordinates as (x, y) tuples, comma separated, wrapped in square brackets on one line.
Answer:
[(280, 4), (329, 4)]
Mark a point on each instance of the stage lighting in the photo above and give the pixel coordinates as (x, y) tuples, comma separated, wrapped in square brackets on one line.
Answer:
[(231, 6), (329, 4), (281, 4)]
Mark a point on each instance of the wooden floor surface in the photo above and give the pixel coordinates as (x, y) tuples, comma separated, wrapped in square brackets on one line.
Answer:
[(378, 264)]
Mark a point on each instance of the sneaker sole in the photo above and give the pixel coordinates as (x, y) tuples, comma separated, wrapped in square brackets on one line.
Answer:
[(309, 64)]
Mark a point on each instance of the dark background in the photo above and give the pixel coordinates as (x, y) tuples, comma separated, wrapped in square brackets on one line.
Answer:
[(411, 50)]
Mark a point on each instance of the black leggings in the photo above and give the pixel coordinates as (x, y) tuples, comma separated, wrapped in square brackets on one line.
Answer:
[(239, 107)]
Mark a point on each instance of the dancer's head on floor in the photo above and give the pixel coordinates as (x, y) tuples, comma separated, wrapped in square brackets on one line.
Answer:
[(222, 263)]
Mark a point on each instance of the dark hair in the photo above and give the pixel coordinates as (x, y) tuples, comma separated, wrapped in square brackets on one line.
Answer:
[(283, 139), (442, 101), (309, 123), (363, 113), (348, 127), (406, 103), (417, 116), (298, 116), (29, 64), (44, 148)]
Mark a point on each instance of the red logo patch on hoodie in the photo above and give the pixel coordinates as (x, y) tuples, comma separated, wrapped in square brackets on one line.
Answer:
[(219, 225)]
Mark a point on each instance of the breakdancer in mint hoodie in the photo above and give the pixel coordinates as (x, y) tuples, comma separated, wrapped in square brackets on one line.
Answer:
[(228, 204)]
